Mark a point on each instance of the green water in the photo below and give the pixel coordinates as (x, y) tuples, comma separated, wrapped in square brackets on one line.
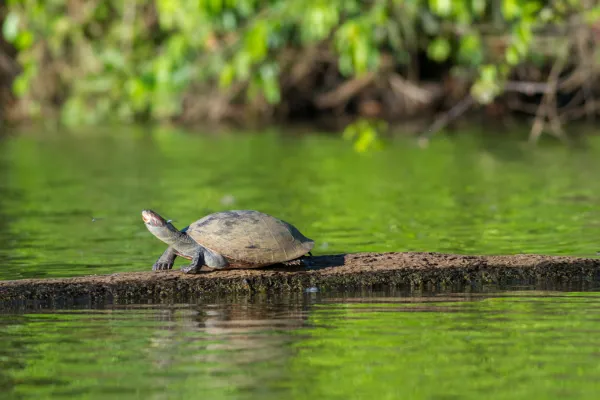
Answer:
[(70, 205), (461, 195), (522, 345)]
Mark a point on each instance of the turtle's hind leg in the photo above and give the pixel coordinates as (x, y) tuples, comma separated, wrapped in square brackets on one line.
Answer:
[(205, 257), (303, 261)]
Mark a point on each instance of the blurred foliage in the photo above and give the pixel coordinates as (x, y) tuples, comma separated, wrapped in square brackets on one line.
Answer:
[(126, 60), (365, 134)]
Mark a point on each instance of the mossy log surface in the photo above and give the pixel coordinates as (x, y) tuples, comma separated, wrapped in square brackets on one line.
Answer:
[(335, 272)]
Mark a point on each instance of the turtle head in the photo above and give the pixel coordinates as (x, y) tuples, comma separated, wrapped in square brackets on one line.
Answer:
[(152, 218), (160, 227)]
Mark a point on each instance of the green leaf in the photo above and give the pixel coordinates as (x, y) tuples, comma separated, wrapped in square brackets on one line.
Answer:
[(256, 41), (349, 132), (431, 25), (112, 58), (227, 75), (24, 40), (367, 140), (20, 85), (138, 93), (229, 21), (365, 134), (487, 87), (524, 32), (443, 8), (318, 22), (478, 7), (592, 16), (532, 8), (360, 55), (271, 91), (470, 51), (512, 56), (439, 49), (379, 15), (10, 28), (511, 9), (270, 84), (74, 112), (242, 64), (215, 6), (254, 88), (488, 73), (345, 64), (167, 13)]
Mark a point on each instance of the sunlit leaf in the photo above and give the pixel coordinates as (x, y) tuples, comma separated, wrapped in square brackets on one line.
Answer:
[(20, 85), (242, 64), (256, 41), (360, 55), (478, 7), (271, 91), (511, 9), (24, 40), (365, 134), (345, 64), (443, 8), (488, 73), (470, 51), (487, 87), (512, 56), (229, 21), (227, 76), (319, 21), (439, 49), (593, 15), (10, 28), (138, 93)]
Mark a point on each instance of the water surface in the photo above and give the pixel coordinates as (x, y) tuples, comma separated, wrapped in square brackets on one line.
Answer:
[(70, 203)]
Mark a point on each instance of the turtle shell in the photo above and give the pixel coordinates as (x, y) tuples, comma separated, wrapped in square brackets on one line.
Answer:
[(250, 238)]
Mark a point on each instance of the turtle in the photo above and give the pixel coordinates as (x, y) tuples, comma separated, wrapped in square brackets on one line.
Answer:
[(228, 239)]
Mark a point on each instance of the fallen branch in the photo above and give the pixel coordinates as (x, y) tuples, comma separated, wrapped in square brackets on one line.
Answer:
[(460, 108), (405, 88), (344, 92), (338, 272), (547, 112)]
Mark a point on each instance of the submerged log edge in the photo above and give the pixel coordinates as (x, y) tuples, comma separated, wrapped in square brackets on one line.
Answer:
[(325, 273)]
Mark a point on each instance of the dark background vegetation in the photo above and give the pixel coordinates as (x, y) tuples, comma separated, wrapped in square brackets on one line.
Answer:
[(199, 61)]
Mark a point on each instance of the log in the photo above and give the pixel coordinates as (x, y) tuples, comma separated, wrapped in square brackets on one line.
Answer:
[(412, 270)]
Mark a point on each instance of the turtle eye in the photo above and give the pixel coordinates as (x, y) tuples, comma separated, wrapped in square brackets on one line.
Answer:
[(156, 221)]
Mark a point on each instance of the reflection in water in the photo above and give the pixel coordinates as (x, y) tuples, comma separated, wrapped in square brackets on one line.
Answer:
[(497, 345), (205, 348), (227, 339)]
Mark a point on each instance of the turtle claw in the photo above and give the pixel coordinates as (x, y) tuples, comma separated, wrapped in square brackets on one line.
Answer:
[(298, 262), (190, 269), (162, 266), (196, 264)]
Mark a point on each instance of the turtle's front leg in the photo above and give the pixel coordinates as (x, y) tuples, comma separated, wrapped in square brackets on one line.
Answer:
[(166, 261)]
